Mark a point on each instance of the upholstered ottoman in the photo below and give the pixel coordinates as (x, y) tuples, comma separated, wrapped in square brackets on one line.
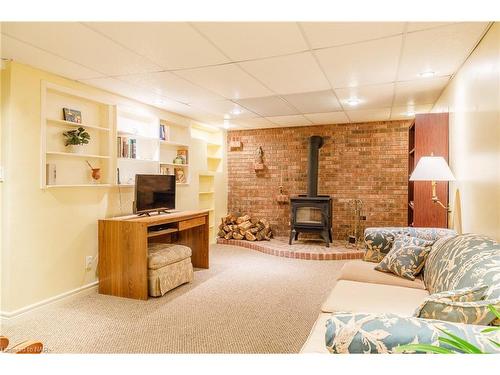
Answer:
[(169, 265)]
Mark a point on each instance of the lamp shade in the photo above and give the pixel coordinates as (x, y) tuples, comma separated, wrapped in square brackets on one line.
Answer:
[(432, 168)]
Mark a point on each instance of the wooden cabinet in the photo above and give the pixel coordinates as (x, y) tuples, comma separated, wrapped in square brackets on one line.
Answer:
[(428, 135)]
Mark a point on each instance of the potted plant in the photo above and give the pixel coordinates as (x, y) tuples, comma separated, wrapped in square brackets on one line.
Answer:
[(75, 139)]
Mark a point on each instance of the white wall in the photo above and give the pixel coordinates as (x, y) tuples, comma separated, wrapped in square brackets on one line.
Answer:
[(46, 234), (473, 100)]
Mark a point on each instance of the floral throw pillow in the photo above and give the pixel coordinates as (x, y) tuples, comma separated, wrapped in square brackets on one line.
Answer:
[(407, 257), (464, 305)]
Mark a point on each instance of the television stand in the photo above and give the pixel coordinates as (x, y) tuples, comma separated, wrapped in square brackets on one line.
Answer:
[(123, 248)]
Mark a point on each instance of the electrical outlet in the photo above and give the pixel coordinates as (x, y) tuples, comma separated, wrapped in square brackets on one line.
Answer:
[(88, 262)]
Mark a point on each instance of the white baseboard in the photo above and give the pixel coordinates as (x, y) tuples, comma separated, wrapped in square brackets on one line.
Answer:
[(88, 288)]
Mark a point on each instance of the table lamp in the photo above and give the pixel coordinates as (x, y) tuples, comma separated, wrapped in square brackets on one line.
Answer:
[(433, 168)]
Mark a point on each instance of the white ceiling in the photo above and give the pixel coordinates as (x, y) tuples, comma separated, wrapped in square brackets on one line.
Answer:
[(258, 74)]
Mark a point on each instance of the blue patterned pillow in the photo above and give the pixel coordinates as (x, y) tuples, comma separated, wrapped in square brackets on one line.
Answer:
[(407, 257), (382, 333), (462, 306)]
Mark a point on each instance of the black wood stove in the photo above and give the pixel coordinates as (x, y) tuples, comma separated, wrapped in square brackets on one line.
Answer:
[(312, 213)]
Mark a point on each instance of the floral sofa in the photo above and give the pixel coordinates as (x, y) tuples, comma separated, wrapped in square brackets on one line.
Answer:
[(369, 311)]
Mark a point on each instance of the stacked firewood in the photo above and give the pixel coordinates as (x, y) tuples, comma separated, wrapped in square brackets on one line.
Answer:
[(244, 228)]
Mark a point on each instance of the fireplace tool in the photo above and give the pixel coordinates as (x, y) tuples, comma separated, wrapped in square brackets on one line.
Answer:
[(354, 238)]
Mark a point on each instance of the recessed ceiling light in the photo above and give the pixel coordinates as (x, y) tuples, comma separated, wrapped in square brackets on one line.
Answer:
[(353, 101), (427, 74), (226, 125), (236, 112)]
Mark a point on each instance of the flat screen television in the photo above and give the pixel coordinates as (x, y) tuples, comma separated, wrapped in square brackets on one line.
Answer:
[(154, 192)]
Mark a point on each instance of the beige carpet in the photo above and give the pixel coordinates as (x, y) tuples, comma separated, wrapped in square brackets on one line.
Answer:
[(247, 302)]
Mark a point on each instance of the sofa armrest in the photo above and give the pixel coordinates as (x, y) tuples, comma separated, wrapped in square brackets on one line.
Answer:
[(382, 333)]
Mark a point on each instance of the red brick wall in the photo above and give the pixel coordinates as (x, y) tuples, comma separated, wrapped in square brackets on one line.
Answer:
[(367, 161)]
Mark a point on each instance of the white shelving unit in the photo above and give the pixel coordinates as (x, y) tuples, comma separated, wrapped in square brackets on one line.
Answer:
[(153, 155), (71, 169)]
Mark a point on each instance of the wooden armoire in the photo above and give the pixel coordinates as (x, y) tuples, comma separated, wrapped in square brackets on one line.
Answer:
[(428, 135)]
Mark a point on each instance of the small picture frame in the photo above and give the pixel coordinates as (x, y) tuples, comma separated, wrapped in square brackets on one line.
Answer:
[(180, 176), (72, 115)]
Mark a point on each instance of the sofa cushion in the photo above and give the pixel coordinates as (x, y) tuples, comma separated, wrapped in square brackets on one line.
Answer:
[(315, 343), (357, 270), (382, 333), (407, 257), (462, 306), (163, 254), (378, 241), (466, 260), (355, 297)]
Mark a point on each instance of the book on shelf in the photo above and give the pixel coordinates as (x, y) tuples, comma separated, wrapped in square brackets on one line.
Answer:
[(164, 132), (51, 174), (127, 148)]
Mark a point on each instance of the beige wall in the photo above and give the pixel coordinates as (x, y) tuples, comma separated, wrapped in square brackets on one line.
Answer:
[(46, 234), (473, 100)]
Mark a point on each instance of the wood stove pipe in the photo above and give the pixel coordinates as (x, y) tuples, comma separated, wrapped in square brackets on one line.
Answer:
[(315, 143)]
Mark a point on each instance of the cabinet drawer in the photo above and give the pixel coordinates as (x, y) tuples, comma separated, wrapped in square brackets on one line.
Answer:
[(186, 224)]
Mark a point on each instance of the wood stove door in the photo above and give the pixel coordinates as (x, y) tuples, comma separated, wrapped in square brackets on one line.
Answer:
[(308, 215)]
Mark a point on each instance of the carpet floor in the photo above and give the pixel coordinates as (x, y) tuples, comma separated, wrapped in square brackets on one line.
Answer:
[(247, 302)]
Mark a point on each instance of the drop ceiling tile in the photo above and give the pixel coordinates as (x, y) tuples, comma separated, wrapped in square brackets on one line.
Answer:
[(361, 64), (418, 26), (293, 120), (75, 42), (409, 111), (328, 118), (373, 96), (254, 123), (311, 102), (29, 55), (227, 80), (288, 74), (440, 50), (423, 91), (224, 107), (254, 40), (369, 115), (169, 85), (328, 34), (268, 106), (134, 92), (172, 45)]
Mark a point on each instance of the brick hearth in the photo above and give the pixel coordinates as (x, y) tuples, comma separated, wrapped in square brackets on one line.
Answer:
[(307, 249)]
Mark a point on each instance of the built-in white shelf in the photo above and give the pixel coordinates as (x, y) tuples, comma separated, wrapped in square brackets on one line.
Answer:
[(176, 144), (76, 155), (78, 186), (212, 144), (206, 192), (174, 164), (139, 160), (206, 174), (214, 157), (75, 124)]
